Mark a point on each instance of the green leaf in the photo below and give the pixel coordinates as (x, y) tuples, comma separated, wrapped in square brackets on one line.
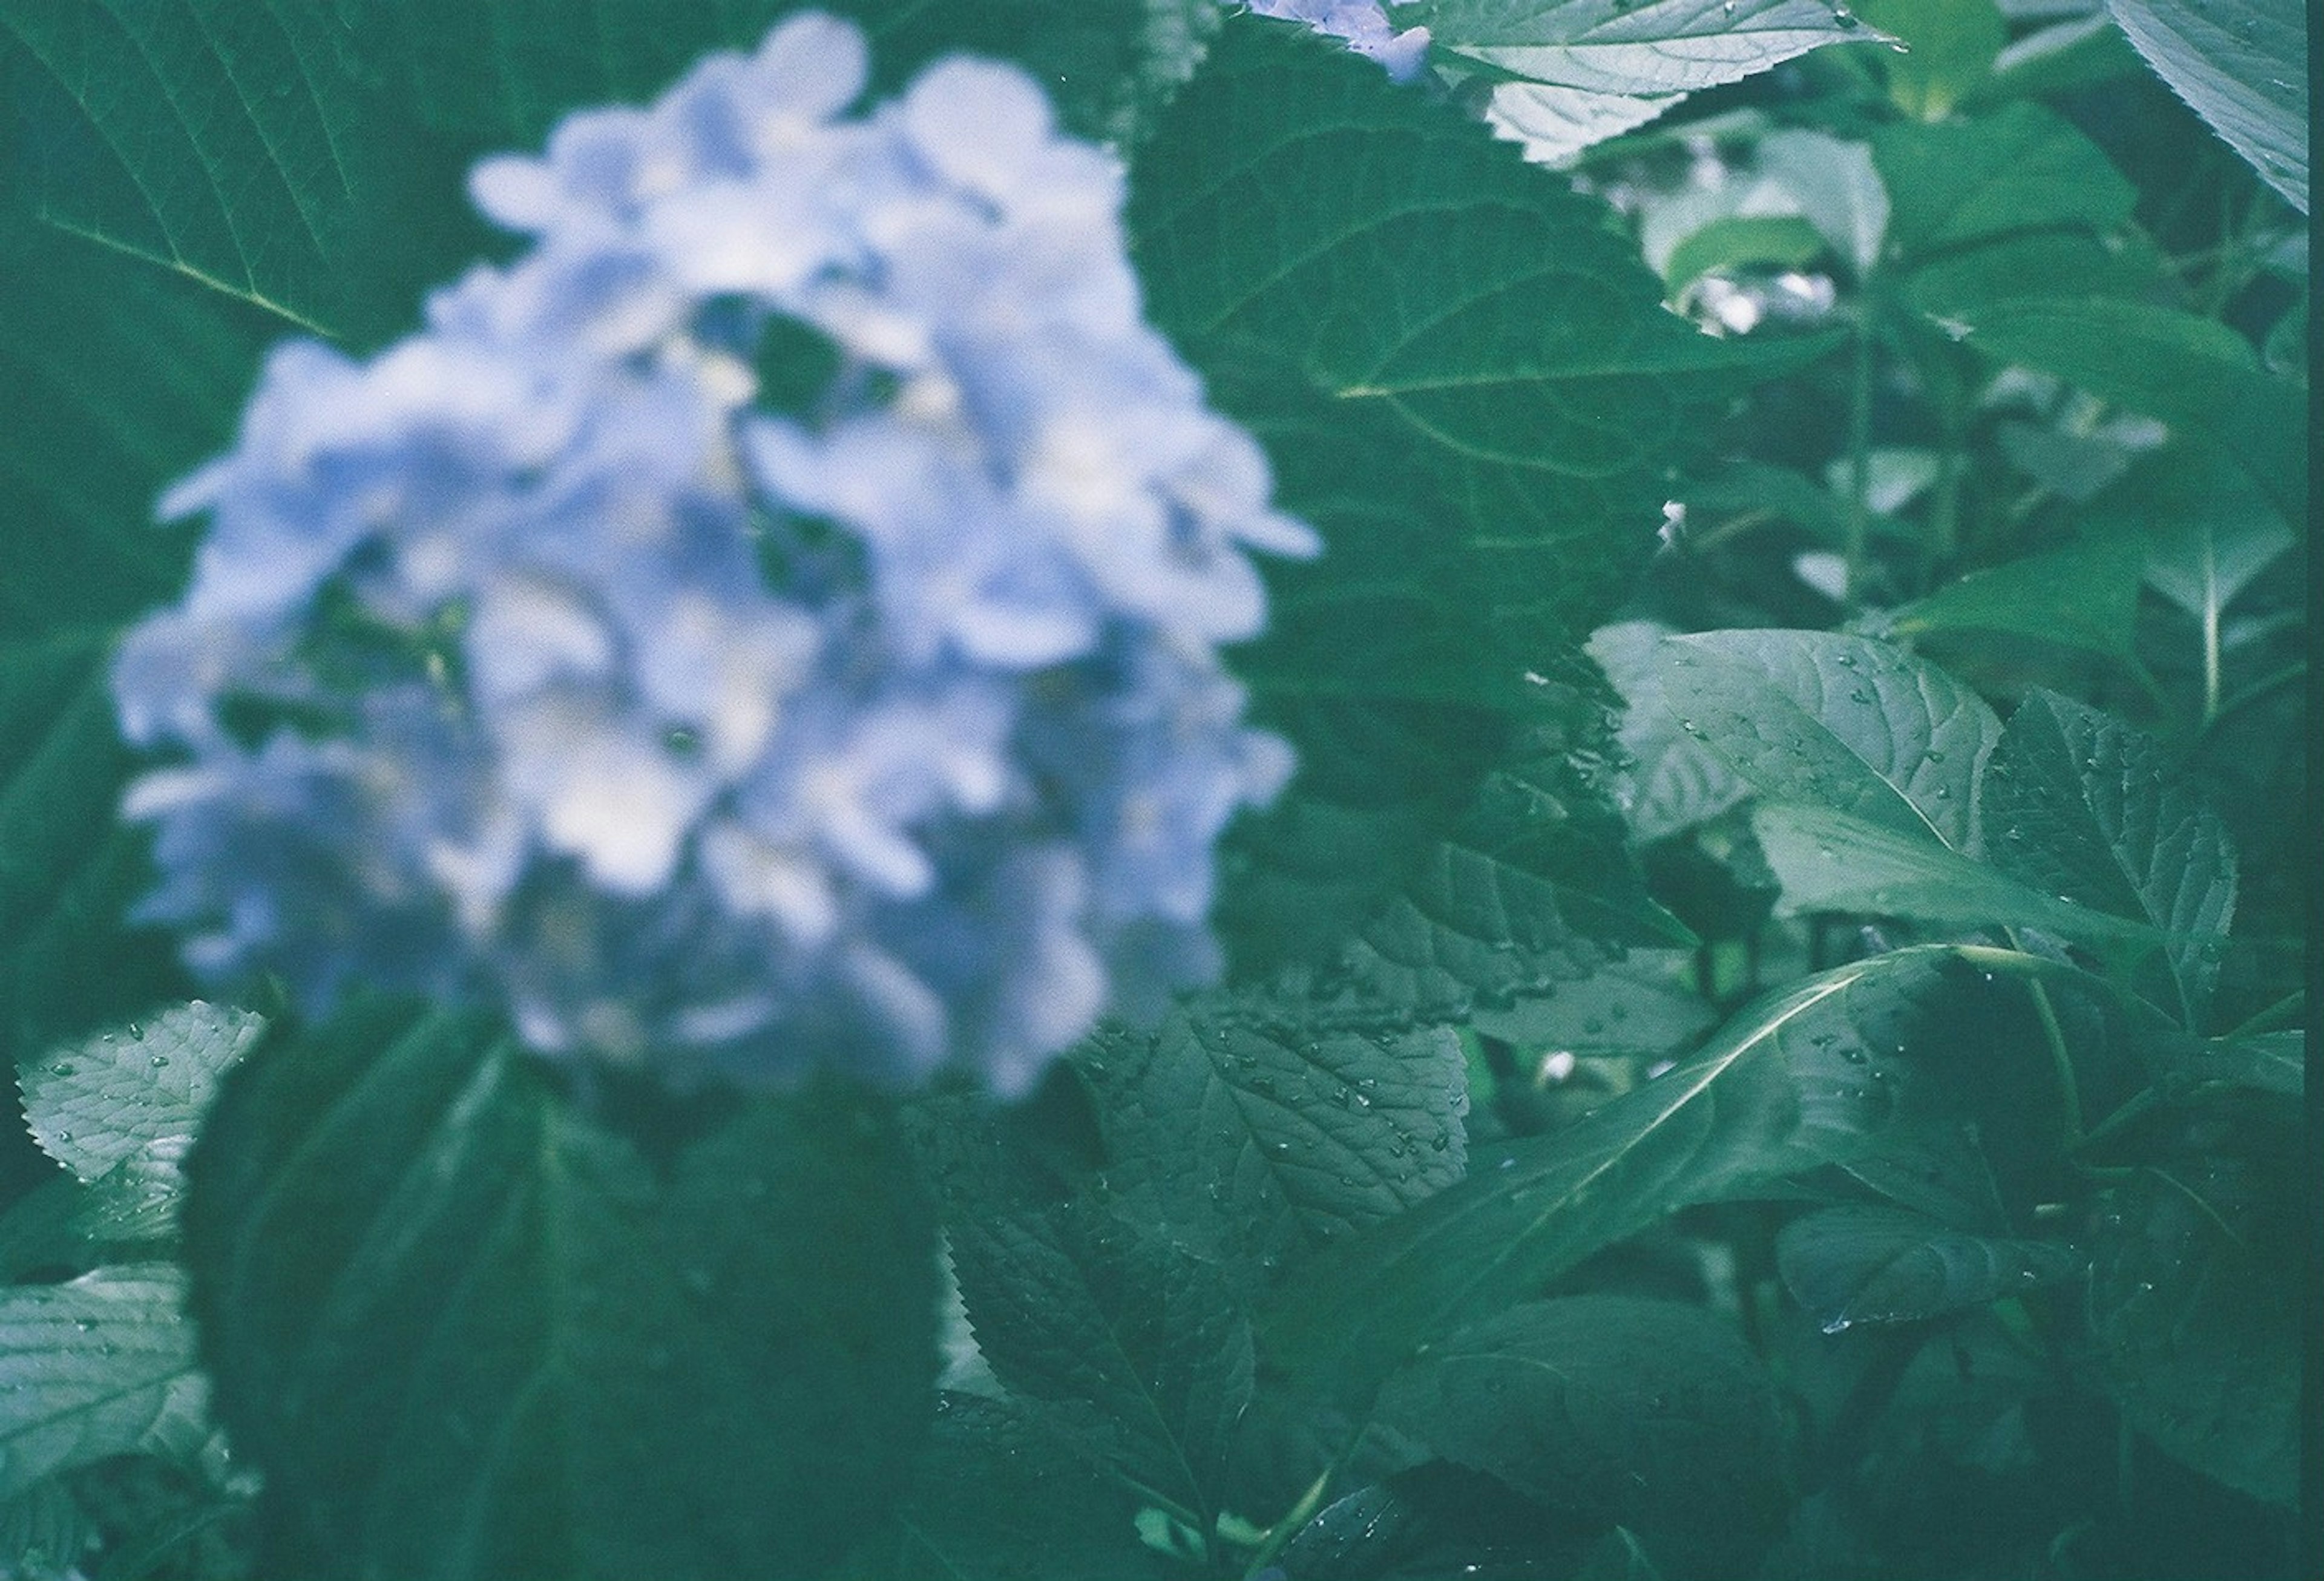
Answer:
[(2020, 169), (1133, 1346), (1813, 1076), (1820, 719), (234, 144), (1467, 381), (1619, 1558), (1428, 1522), (2084, 596), (466, 1332), (102, 1365), (1650, 1415), (1643, 1004), (1877, 1264), (503, 71), (1629, 47), (1553, 124), (1828, 861), (136, 1093), (1259, 1130), (996, 1498), (2197, 1330), (2242, 65), (2208, 531), (1485, 456), (1949, 46), (1778, 241), (1837, 188), (2192, 372), (2058, 58), (45, 1533), (2087, 809), (1537, 885), (1674, 781)]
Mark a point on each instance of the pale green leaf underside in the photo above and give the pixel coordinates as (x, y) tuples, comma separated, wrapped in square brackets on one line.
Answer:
[(1608, 46), (2243, 65), (123, 1092), (101, 1367)]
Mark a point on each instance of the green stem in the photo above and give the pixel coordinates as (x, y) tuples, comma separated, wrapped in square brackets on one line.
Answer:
[(2210, 662), (1280, 1535), (1860, 458)]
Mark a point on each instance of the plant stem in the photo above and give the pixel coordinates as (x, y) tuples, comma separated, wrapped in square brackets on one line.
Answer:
[(1860, 458)]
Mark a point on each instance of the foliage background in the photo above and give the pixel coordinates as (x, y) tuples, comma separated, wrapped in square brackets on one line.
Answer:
[(1770, 1046)]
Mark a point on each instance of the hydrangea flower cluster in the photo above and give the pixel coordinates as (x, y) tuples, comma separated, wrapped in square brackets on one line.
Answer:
[(578, 654), (1365, 27)]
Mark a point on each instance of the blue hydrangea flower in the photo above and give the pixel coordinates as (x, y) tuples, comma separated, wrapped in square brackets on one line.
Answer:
[(1363, 25), (553, 658)]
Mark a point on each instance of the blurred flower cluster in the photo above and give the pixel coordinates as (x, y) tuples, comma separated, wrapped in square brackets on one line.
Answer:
[(1363, 25), (770, 623)]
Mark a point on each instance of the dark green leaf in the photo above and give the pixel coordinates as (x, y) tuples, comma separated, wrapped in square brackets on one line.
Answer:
[(1130, 1344), (1875, 1265), (1619, 1558), (1949, 46), (2208, 531), (504, 70), (136, 1092), (2270, 1061), (1643, 1004), (1259, 1131), (1466, 381), (2087, 809), (1430, 1522), (1779, 240), (2021, 168), (2192, 372), (103, 1366), (44, 1532), (2243, 65), (1828, 861), (464, 1331), (1821, 1074), (2198, 1331), (2085, 596), (1651, 1415), (996, 1498), (1535, 886), (1631, 46), (234, 144), (1824, 719), (1673, 781)]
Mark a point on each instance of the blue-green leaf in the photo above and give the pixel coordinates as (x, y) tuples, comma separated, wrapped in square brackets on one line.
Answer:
[(1631, 46), (2192, 372), (465, 1331), (1880, 1264), (2087, 809), (1651, 1415), (2243, 65), (1846, 723), (100, 1367), (1823, 1074), (1259, 1130), (234, 144)]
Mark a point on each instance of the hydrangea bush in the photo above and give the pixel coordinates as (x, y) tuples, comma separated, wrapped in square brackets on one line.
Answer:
[(1113, 790), (542, 656)]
